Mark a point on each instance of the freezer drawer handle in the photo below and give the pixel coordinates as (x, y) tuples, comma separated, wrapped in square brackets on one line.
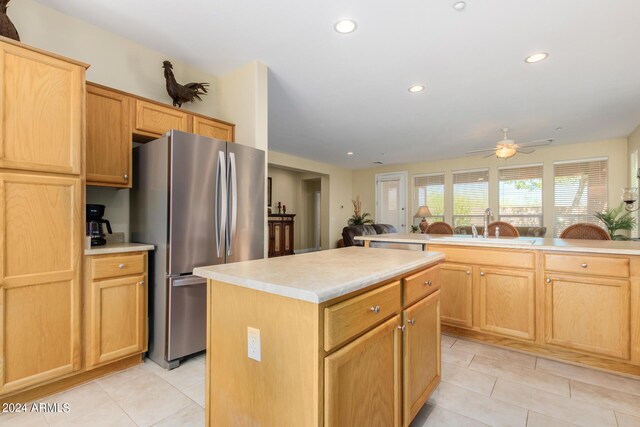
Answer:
[(191, 281)]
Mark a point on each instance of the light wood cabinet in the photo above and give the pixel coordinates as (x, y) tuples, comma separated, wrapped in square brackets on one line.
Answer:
[(109, 140), (588, 313), (507, 302), (362, 380), (41, 110), (115, 307), (212, 128), (457, 294), (40, 252), (154, 120), (421, 352)]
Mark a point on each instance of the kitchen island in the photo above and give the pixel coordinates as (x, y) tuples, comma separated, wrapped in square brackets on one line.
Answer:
[(573, 300), (347, 336)]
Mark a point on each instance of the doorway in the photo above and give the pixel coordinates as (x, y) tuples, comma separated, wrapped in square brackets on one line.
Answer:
[(391, 200)]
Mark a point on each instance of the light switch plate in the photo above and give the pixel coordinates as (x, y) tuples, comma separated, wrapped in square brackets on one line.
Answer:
[(253, 344)]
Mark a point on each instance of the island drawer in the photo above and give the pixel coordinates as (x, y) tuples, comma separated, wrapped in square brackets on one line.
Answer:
[(348, 318), (496, 257), (587, 264), (421, 284), (116, 266)]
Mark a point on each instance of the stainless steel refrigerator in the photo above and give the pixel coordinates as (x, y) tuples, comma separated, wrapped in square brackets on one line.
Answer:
[(201, 202)]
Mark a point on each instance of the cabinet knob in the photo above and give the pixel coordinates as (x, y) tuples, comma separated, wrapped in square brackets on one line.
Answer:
[(428, 283), (375, 309), (412, 321), (125, 176), (402, 328), (468, 272), (482, 273), (548, 280), (141, 282), (121, 266), (584, 265)]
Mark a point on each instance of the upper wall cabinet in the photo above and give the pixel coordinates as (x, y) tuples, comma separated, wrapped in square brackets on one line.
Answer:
[(108, 137), (154, 120), (212, 128), (41, 110)]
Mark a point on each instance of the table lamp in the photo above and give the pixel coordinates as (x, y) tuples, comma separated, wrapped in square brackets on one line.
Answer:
[(423, 211)]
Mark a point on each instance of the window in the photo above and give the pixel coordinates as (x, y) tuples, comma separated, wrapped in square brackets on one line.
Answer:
[(428, 190), (520, 195), (580, 190), (470, 197)]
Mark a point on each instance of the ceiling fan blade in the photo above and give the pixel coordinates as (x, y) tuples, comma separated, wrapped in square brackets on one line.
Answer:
[(525, 151), (489, 155), (481, 151), (536, 143)]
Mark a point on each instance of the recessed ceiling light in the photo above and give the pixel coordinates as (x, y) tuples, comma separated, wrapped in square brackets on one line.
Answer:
[(536, 57), (349, 153), (559, 128), (416, 88), (459, 6), (345, 26)]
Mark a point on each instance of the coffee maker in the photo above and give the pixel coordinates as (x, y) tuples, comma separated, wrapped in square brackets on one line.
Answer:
[(94, 224)]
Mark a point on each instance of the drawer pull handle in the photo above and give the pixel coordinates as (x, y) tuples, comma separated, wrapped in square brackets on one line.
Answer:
[(142, 282), (482, 273), (584, 265), (428, 283), (412, 321), (548, 280), (468, 272), (375, 309), (402, 328), (121, 266)]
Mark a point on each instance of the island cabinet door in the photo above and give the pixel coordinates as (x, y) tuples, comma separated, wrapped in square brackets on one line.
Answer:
[(588, 313), (362, 380), (507, 302), (421, 351), (457, 294)]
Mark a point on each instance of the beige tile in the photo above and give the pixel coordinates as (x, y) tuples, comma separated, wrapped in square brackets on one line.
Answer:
[(435, 416), (514, 372), (456, 357), (447, 341), (196, 393), (625, 420), (591, 376), (524, 360), (184, 376), (539, 420), (191, 416), (144, 396), (466, 378), (82, 400), (553, 405), (23, 419), (477, 406), (606, 397), (109, 415)]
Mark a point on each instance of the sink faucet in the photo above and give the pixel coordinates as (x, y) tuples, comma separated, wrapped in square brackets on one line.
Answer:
[(488, 213), (474, 232)]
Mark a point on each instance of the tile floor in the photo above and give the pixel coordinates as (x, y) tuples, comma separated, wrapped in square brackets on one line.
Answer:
[(481, 385)]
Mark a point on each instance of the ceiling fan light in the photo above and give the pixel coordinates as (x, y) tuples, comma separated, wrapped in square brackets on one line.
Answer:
[(505, 152)]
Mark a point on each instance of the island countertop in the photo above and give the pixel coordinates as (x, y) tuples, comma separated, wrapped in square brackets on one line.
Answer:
[(563, 245), (320, 276)]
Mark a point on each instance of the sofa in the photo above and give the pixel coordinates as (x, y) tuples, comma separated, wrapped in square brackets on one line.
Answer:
[(524, 231), (351, 231)]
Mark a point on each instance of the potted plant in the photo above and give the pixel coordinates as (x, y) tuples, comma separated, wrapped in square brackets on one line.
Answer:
[(359, 217), (615, 219)]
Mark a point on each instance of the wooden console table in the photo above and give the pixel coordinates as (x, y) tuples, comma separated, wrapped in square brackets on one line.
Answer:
[(280, 234)]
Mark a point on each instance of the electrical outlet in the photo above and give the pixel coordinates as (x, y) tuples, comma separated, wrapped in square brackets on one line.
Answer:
[(253, 341)]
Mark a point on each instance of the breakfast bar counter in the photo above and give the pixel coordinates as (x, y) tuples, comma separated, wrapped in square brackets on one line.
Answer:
[(346, 336)]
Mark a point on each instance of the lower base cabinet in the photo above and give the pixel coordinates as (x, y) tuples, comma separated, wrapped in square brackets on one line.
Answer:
[(457, 294)]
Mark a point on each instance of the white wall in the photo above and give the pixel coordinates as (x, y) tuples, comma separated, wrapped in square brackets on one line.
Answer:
[(614, 149)]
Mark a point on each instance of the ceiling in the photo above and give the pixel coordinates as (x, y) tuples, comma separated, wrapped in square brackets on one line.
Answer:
[(331, 93)]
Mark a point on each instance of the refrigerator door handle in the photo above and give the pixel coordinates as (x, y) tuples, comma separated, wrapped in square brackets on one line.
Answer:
[(233, 200), (221, 203)]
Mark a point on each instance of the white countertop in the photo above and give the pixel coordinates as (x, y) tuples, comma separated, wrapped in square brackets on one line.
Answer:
[(115, 248), (320, 276), (565, 245)]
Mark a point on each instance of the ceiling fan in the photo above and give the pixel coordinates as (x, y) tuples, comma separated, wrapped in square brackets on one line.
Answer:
[(508, 148)]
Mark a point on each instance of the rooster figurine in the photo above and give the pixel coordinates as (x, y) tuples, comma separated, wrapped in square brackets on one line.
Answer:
[(182, 93)]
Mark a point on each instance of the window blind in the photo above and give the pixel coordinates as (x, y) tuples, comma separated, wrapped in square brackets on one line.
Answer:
[(520, 195), (580, 190), (428, 190), (470, 197)]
